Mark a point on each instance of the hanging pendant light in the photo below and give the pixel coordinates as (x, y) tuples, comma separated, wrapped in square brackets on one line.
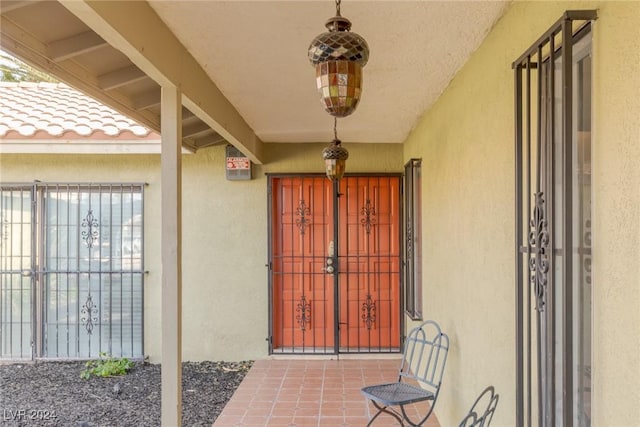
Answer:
[(335, 157), (339, 56)]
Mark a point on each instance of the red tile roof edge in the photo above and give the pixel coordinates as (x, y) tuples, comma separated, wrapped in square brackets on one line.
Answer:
[(55, 111)]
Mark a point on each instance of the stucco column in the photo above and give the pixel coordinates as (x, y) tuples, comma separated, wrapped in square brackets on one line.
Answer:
[(171, 241)]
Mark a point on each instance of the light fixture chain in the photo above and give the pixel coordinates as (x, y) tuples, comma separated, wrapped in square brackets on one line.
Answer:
[(335, 128), (338, 7)]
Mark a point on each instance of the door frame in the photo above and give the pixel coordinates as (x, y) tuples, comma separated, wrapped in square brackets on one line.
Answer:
[(336, 291)]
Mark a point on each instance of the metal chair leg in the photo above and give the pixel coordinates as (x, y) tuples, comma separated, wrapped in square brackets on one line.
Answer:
[(386, 410), (411, 423)]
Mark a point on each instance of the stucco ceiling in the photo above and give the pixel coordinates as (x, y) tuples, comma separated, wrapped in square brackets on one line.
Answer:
[(241, 66), (255, 52)]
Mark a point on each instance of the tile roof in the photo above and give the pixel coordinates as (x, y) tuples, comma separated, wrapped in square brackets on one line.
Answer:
[(57, 111)]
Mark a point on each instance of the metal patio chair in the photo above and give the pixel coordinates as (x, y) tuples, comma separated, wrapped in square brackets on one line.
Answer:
[(482, 411), (420, 376)]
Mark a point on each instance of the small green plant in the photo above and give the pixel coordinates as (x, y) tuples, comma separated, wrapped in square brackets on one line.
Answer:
[(106, 366)]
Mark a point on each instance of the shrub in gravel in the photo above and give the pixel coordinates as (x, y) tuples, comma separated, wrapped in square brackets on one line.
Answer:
[(106, 366)]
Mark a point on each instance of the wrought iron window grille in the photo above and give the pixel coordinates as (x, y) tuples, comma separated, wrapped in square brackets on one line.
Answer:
[(412, 251), (544, 139), (81, 246)]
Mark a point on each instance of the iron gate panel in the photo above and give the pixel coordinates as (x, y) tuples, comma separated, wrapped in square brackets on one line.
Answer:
[(369, 278), (87, 272), (16, 281), (329, 297), (301, 291)]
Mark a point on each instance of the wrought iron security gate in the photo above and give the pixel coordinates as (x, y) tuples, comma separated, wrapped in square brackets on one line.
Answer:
[(71, 277), (334, 264), (553, 226)]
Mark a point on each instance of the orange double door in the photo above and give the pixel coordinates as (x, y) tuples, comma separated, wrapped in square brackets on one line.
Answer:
[(335, 290)]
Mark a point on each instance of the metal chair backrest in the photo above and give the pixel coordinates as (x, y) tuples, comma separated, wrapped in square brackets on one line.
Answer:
[(425, 356), (481, 413)]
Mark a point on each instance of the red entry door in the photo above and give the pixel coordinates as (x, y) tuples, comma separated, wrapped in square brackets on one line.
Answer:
[(329, 297), (369, 278)]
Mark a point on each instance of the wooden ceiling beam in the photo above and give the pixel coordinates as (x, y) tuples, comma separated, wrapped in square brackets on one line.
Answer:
[(121, 77), (190, 130), (7, 6), (135, 29), (209, 141), (25, 46), (61, 50), (147, 99), (186, 114)]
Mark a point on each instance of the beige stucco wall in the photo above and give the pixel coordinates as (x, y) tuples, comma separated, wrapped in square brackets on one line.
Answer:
[(466, 143), (225, 291), (225, 245), (617, 215)]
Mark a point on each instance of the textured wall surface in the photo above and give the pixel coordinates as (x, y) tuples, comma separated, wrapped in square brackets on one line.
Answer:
[(616, 178), (466, 143), (225, 292)]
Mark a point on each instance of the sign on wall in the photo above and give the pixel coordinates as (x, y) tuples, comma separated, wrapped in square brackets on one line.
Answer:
[(238, 166)]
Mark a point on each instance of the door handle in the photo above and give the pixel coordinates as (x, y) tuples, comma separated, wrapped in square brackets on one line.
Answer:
[(329, 268)]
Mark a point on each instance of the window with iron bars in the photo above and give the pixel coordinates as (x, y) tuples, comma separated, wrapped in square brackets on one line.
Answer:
[(412, 239), (553, 225), (71, 270)]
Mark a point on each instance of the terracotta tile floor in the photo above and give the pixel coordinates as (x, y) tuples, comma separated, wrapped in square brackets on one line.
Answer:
[(310, 393)]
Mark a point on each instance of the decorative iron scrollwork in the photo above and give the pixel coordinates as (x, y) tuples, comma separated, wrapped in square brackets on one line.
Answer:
[(587, 252), (303, 212), (369, 312), (89, 314), (91, 234), (539, 242), (409, 241), (368, 212), (304, 313)]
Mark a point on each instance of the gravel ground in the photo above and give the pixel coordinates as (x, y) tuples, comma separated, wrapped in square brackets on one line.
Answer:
[(53, 394)]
